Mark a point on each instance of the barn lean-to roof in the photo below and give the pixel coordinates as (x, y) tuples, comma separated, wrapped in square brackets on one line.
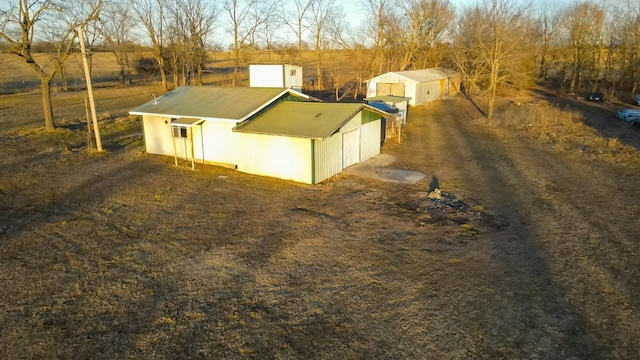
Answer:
[(213, 102), (310, 120)]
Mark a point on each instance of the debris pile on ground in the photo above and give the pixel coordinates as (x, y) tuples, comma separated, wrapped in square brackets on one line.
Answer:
[(443, 200), (442, 208)]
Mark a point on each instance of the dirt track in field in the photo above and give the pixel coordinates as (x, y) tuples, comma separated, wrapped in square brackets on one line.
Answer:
[(125, 255), (565, 269)]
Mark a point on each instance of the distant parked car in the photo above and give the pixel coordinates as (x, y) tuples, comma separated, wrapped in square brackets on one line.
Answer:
[(636, 99), (633, 119), (595, 96), (626, 113)]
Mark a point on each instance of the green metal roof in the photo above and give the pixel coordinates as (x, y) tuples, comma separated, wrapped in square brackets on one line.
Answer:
[(303, 119), (234, 103)]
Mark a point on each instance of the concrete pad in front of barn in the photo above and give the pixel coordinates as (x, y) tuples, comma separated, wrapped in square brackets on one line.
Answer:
[(376, 168)]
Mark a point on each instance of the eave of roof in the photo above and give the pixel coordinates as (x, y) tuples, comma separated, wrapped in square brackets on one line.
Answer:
[(187, 122), (388, 98)]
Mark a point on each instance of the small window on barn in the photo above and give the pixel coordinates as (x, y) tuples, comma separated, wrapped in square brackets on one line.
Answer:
[(179, 132)]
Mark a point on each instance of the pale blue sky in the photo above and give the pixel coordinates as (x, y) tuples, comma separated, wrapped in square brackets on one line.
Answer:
[(355, 14)]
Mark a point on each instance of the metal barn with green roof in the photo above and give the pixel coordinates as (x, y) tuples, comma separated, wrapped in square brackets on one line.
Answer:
[(273, 132)]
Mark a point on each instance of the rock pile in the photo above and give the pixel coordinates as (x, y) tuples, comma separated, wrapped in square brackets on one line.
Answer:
[(443, 199)]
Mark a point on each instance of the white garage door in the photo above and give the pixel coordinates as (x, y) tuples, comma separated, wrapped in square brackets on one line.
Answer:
[(350, 148)]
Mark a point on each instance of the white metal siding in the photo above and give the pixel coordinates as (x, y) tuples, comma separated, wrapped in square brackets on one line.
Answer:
[(350, 148), (409, 86), (277, 156), (158, 137), (372, 85), (370, 140), (402, 107), (266, 76), (286, 75), (427, 92), (293, 76), (422, 96), (220, 143), (327, 157), (353, 124), (433, 90)]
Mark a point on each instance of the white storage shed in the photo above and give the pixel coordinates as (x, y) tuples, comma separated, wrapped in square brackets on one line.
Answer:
[(422, 86), (276, 76)]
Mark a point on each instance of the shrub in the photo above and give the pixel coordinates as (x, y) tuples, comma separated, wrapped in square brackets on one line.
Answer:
[(145, 66)]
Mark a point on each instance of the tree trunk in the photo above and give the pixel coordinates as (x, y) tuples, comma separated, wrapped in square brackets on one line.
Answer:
[(235, 74), (122, 75), (319, 82), (493, 85), (63, 78), (163, 74), (175, 71), (199, 73), (576, 70), (492, 101), (45, 82), (90, 61), (542, 72), (635, 78), (236, 63)]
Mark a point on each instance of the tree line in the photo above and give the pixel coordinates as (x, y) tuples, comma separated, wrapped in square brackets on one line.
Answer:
[(496, 45)]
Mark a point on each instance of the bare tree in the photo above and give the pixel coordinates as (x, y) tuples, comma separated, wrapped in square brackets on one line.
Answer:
[(492, 35), (18, 28), (117, 28), (578, 24), (597, 41), (631, 44), (189, 24), (323, 13), (353, 42), (380, 21), (466, 55), (151, 14), (548, 21), (268, 33), (425, 23), (295, 17), (245, 17), (56, 31)]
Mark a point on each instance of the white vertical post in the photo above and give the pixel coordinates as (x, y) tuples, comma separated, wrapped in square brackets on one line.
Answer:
[(87, 76), (193, 152)]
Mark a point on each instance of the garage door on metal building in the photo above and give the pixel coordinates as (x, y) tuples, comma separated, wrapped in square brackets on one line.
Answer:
[(393, 89), (350, 148)]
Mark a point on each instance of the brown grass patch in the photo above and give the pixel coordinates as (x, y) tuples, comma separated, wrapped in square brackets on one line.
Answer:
[(565, 129)]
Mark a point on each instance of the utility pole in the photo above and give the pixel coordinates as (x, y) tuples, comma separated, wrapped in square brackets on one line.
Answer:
[(92, 103)]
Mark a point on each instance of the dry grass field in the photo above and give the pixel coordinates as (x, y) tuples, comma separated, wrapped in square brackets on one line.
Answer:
[(123, 255)]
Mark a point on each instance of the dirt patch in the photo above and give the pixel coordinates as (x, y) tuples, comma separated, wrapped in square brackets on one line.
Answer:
[(524, 252)]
